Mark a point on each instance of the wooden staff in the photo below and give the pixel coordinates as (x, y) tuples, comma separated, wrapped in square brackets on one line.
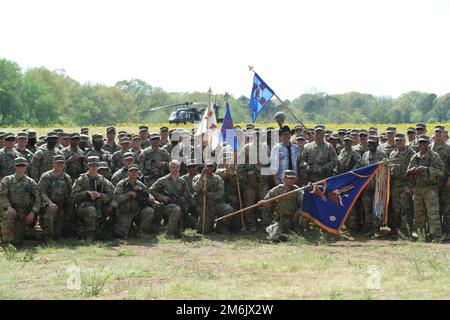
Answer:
[(205, 192), (239, 196)]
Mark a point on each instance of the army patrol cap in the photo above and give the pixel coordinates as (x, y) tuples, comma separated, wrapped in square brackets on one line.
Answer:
[(128, 155), (59, 158), (20, 161), (399, 136), (319, 128), (51, 135), (347, 138), (290, 174), (344, 131), (93, 160), (330, 132), (66, 135), (424, 138), (125, 140), (111, 130), (439, 128), (32, 134), (249, 126), (373, 139), (10, 136), (421, 126), (285, 129), (84, 138), (335, 136), (143, 128), (300, 137), (22, 135), (103, 165), (97, 137), (391, 130), (411, 130), (162, 129), (363, 132), (59, 130), (354, 132), (136, 137), (154, 135), (74, 136), (133, 167)]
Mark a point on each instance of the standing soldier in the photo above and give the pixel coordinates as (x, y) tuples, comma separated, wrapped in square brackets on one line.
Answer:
[(122, 173), (31, 141), (174, 193), (7, 156), (104, 170), (154, 162), (75, 158), (443, 149), (136, 148), (84, 143), (320, 157), (55, 187), (371, 223), (21, 147), (287, 213), (97, 149), (164, 135), (145, 137), (191, 168), (43, 158), (389, 145), (425, 168), (117, 157), (421, 128), (111, 146), (335, 140), (91, 193), (411, 132), (401, 215), (20, 199), (363, 145), (348, 159), (134, 205), (215, 206)]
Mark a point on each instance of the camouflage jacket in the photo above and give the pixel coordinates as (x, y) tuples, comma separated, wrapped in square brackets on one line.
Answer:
[(154, 163), (368, 159), (215, 189), (76, 167), (86, 183), (444, 152), (20, 193), (228, 176), (414, 145), (250, 172), (286, 206), (27, 154), (118, 176), (55, 189), (127, 203), (136, 155), (7, 162), (360, 149), (347, 161), (111, 148), (117, 160), (177, 191), (321, 159), (435, 168), (102, 154), (387, 148), (399, 161), (188, 178), (42, 162)]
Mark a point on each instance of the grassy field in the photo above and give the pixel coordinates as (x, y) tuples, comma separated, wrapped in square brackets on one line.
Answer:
[(215, 267)]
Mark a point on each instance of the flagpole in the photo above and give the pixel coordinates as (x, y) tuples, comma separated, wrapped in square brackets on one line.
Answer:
[(282, 102)]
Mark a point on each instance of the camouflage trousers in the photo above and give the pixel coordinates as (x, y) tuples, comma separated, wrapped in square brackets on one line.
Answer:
[(444, 206), (54, 224), (401, 214), (13, 229), (426, 209), (125, 219), (251, 195), (88, 218), (283, 225), (214, 211), (172, 213)]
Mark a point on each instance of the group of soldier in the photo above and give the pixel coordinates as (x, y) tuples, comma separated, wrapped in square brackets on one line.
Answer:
[(72, 184)]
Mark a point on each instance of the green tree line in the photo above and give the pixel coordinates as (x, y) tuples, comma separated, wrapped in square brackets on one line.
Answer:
[(42, 97)]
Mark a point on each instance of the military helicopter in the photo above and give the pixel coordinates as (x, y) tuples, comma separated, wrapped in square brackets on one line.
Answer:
[(187, 114)]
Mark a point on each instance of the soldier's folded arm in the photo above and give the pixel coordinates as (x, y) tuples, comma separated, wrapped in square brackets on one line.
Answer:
[(155, 190), (120, 195), (78, 195)]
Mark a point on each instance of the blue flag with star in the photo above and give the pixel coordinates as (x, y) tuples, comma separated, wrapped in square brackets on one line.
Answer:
[(227, 129), (331, 200), (261, 94)]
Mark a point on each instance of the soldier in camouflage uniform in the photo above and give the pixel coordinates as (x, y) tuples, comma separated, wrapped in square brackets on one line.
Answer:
[(335, 140), (55, 187), (411, 132), (154, 162), (117, 157), (20, 200), (91, 192), (174, 193), (75, 158), (31, 145), (215, 206), (320, 157), (97, 149), (421, 128), (401, 215), (363, 145), (21, 147), (443, 149), (84, 143), (134, 205), (425, 168), (192, 171), (371, 224), (2, 139), (136, 148), (227, 171), (111, 146), (104, 170), (43, 158), (122, 173), (7, 156), (389, 145), (164, 136), (145, 137), (287, 210)]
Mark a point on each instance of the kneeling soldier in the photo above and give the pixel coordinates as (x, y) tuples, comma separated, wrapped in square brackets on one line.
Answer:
[(174, 193), (91, 193), (56, 188), (134, 205), (20, 199)]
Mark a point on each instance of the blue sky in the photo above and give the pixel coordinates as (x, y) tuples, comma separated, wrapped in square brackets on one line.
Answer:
[(379, 47)]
